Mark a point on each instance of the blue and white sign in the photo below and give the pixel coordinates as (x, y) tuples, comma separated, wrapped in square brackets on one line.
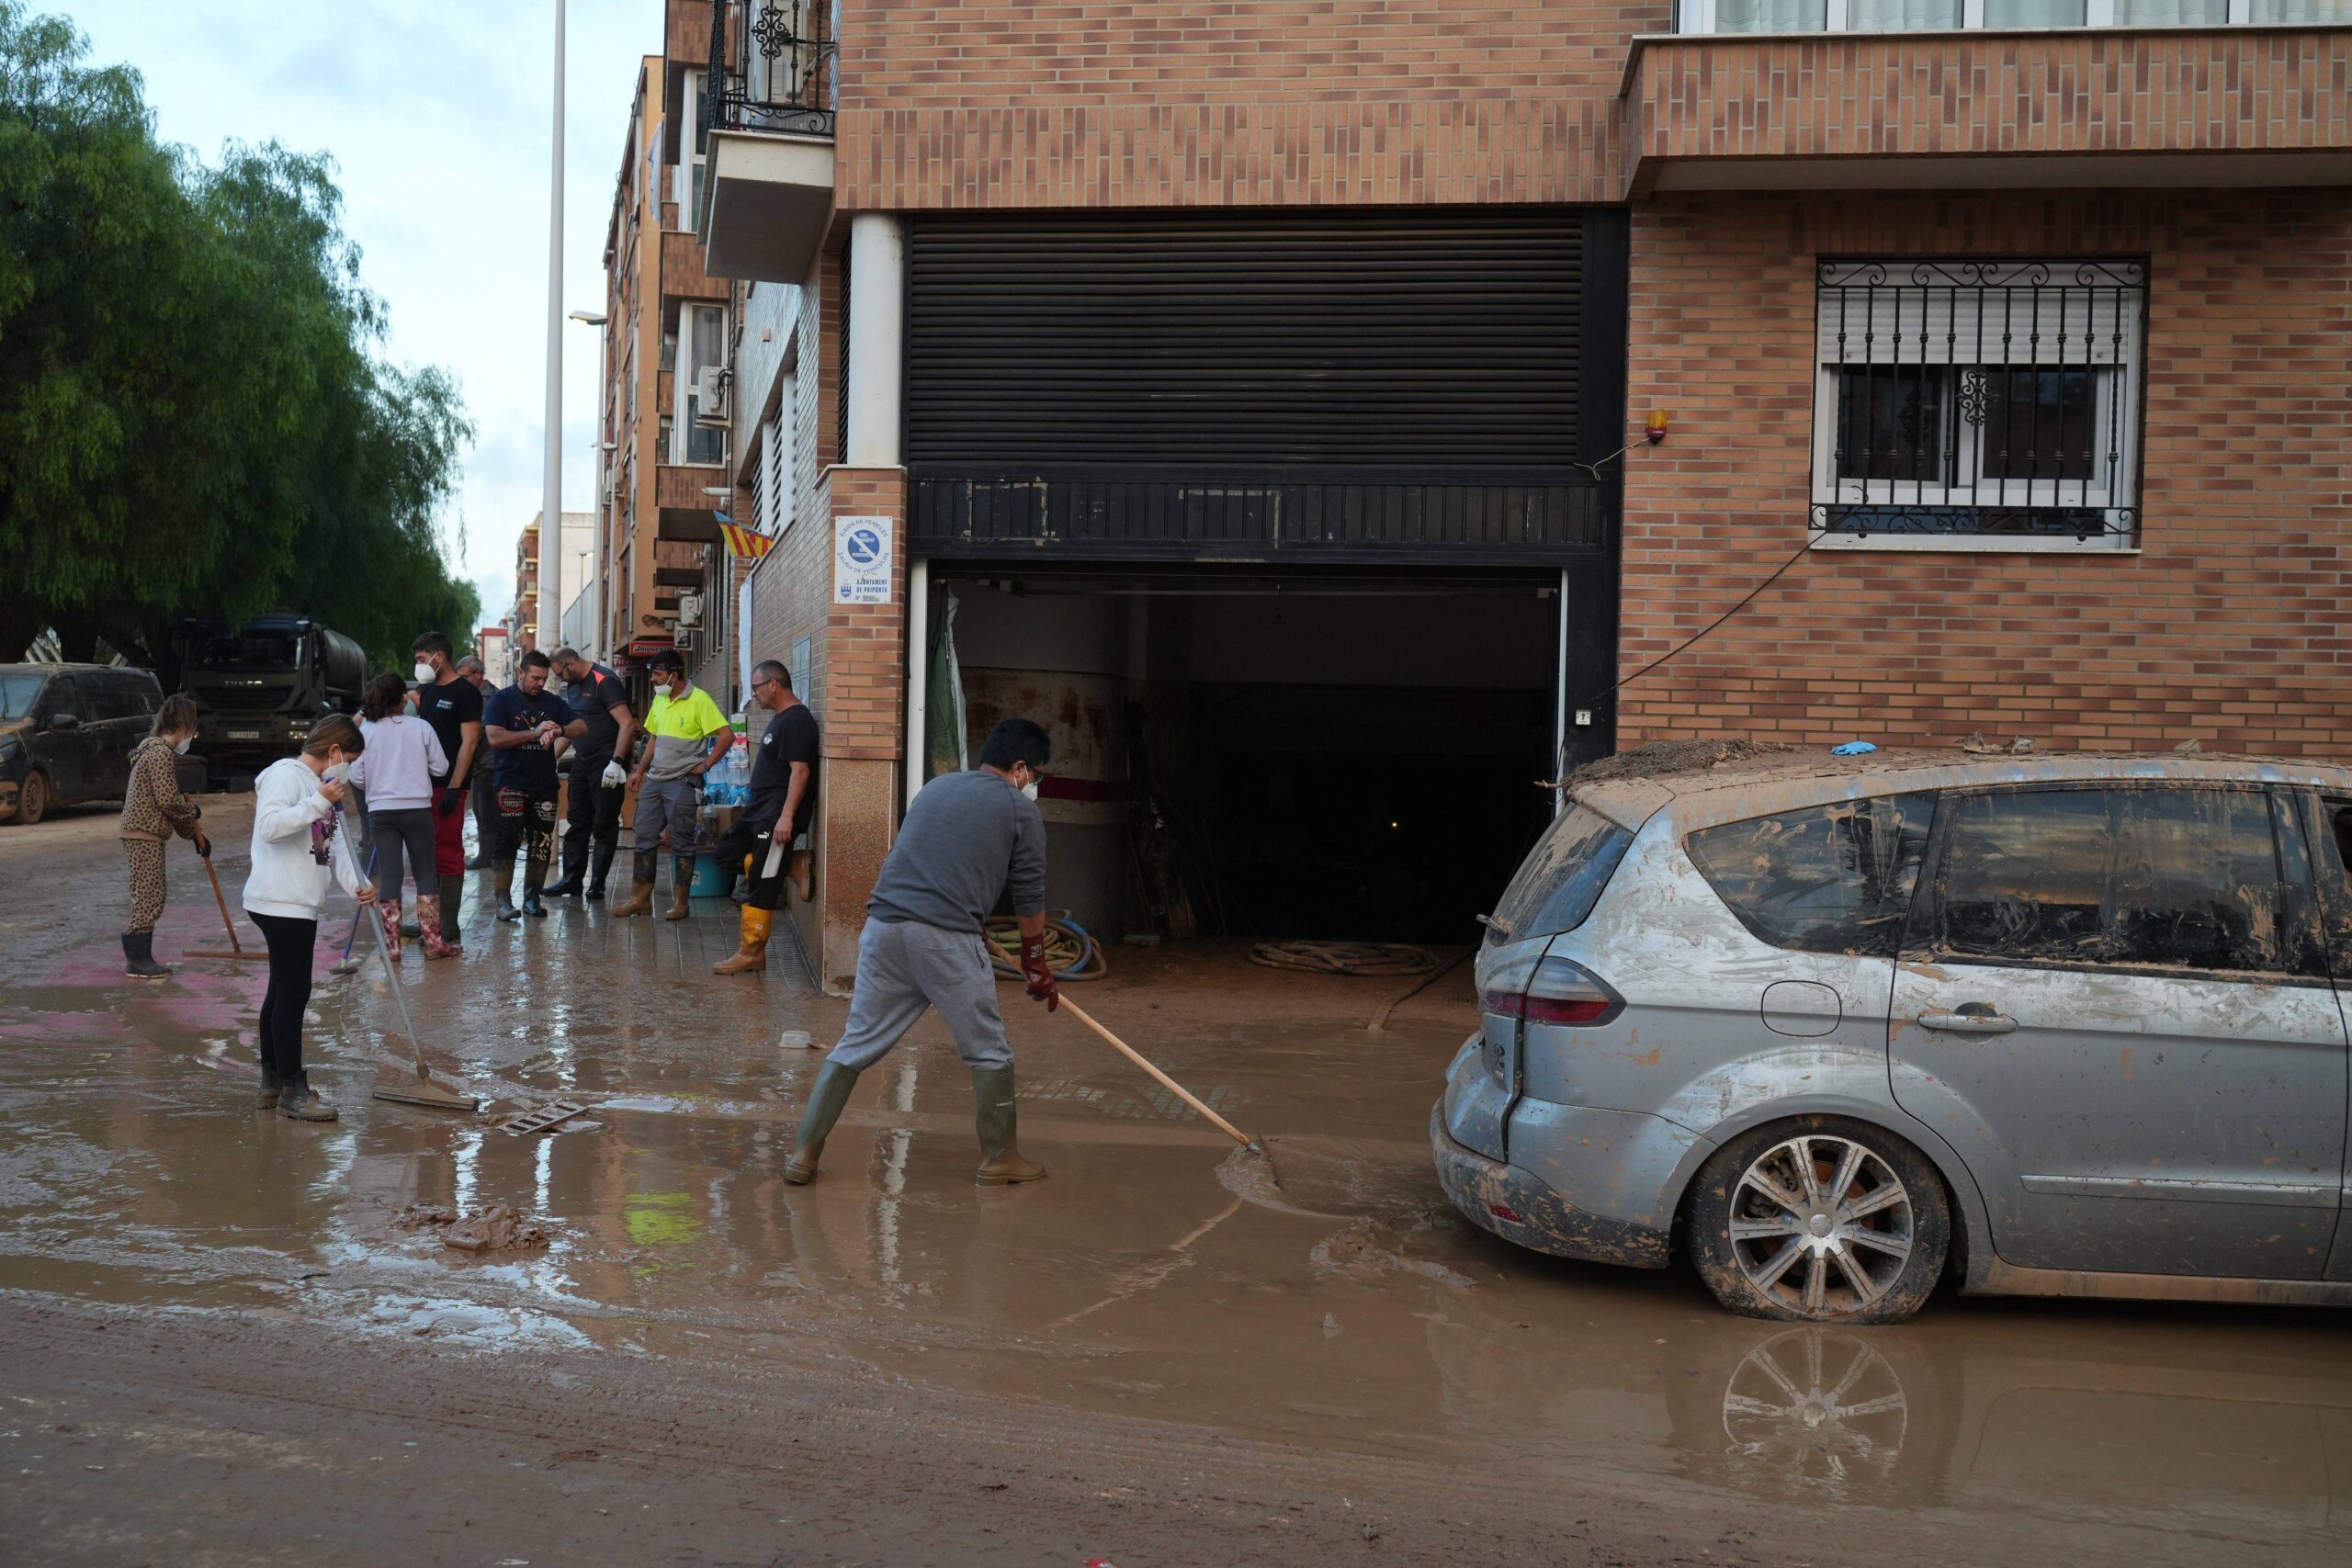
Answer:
[(861, 560)]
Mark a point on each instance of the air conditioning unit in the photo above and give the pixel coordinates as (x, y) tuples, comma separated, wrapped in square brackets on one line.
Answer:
[(711, 395), (689, 610)]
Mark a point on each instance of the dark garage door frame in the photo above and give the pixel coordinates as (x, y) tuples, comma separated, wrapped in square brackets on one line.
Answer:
[(1430, 386)]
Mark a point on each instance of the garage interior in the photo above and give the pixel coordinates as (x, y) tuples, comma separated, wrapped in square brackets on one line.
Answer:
[(1321, 755)]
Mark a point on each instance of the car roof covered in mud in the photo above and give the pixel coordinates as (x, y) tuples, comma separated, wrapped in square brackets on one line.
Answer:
[(1727, 781)]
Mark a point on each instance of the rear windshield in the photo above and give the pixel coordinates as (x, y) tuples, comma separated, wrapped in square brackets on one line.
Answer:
[(1562, 877)]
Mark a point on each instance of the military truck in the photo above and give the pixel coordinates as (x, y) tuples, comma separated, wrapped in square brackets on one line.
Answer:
[(260, 687)]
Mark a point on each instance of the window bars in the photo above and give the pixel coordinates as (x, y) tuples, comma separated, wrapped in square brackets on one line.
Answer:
[(772, 67), (1987, 398)]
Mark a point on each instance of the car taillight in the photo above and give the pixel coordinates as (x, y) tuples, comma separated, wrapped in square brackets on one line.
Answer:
[(1558, 992)]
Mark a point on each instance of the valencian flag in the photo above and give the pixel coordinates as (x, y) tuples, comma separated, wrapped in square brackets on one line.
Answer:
[(749, 544)]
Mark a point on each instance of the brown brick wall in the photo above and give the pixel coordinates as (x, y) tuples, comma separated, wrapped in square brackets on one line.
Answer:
[(865, 647), (2229, 628), (2169, 90), (1103, 103)]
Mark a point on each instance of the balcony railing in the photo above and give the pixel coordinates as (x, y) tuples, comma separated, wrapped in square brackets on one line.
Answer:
[(772, 67)]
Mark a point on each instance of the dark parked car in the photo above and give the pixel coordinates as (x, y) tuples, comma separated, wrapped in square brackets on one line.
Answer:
[(66, 732)]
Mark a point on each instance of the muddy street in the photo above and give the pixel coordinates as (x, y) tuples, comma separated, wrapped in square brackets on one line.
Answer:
[(228, 1336)]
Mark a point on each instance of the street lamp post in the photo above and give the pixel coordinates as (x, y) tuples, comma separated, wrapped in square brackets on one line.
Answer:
[(595, 551), (551, 485)]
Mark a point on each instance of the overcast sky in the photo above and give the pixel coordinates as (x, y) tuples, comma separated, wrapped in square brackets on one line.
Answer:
[(437, 113)]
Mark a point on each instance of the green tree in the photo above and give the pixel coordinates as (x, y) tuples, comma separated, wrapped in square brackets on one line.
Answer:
[(195, 415)]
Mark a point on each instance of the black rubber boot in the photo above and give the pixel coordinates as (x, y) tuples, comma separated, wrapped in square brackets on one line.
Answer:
[(994, 1118), (575, 872), (300, 1102), (600, 866), (139, 957), (453, 893), (505, 880), (826, 1098), (272, 1086)]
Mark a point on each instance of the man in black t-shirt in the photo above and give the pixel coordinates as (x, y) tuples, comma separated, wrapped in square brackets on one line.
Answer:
[(526, 724), (602, 732), (447, 701), (784, 800)]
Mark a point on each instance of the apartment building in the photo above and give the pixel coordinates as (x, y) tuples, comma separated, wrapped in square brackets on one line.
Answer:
[(664, 449), (523, 614), (1332, 422)]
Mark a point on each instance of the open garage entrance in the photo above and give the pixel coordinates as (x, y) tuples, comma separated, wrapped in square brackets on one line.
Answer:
[(1260, 753)]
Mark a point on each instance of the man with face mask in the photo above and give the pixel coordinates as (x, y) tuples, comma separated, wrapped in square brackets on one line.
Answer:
[(690, 737), (966, 839), (526, 723), (447, 701), (602, 728)]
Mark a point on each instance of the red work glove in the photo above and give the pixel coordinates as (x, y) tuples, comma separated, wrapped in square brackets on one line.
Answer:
[(1039, 974)]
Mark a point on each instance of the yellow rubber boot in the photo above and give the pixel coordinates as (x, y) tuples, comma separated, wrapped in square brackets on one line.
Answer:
[(752, 957)]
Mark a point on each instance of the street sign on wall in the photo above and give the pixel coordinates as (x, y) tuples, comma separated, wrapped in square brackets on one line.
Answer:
[(861, 561)]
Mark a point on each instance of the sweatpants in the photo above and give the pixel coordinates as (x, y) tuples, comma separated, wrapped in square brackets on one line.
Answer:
[(904, 967), (403, 843), (291, 943), (146, 857)]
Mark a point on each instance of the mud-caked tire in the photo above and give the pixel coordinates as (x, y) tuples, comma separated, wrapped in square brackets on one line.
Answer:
[(1819, 1219), (33, 798)]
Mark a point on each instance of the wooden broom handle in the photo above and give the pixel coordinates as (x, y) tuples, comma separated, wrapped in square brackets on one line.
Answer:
[(234, 945), (1129, 1052)]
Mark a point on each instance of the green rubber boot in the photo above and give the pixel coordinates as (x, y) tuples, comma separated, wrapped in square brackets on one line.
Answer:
[(826, 1098), (994, 1116)]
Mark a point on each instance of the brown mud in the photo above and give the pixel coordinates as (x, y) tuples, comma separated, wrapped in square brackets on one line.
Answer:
[(217, 1330)]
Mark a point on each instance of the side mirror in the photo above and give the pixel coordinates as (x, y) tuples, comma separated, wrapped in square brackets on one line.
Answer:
[(64, 721)]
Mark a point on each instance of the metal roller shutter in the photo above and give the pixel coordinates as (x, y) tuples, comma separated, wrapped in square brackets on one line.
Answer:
[(1369, 382)]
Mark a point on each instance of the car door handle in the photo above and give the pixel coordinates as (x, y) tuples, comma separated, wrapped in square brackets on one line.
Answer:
[(1968, 1023)]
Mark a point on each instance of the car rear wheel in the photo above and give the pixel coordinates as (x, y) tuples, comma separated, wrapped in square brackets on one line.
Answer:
[(1820, 1220), (32, 799)]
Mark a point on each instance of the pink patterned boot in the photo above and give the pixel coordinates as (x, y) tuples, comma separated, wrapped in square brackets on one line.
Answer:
[(428, 925), (391, 914)]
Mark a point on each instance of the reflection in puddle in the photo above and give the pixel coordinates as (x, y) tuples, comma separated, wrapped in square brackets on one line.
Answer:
[(1816, 1405)]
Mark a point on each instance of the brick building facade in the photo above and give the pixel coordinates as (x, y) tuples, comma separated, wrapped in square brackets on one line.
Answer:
[(2172, 573)]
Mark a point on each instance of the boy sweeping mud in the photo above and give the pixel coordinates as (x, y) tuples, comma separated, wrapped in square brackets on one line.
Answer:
[(967, 838)]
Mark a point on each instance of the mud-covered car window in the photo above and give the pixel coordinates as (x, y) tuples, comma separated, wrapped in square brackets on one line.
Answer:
[(1834, 878), (1562, 877), (2173, 878)]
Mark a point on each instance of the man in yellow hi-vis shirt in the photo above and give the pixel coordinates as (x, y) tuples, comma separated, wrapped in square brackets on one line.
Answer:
[(687, 737)]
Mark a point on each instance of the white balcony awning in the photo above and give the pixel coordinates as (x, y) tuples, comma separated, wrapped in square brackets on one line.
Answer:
[(771, 196)]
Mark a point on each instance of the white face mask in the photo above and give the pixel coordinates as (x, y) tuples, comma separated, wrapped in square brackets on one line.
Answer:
[(181, 745), (423, 671), (337, 771), (1029, 790)]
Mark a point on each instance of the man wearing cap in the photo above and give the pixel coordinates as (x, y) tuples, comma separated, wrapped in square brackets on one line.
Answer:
[(688, 737)]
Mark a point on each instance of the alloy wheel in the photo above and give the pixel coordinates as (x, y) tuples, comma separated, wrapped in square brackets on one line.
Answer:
[(1821, 1225)]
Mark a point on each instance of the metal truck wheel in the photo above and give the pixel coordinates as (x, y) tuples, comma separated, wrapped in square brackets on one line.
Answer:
[(32, 799), (1820, 1220)]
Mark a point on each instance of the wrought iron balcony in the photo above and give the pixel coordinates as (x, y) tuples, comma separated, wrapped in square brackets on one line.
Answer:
[(772, 67), (768, 144)]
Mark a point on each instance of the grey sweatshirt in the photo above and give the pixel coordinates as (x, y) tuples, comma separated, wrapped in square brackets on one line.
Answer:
[(966, 837)]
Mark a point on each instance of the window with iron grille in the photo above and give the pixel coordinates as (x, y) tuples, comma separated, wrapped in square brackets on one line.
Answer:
[(1991, 402)]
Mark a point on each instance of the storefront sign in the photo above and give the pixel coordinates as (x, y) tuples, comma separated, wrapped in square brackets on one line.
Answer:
[(861, 560)]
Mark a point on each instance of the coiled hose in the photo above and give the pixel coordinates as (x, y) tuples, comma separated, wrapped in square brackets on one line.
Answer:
[(1071, 951)]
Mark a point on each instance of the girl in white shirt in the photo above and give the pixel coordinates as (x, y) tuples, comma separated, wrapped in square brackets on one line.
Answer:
[(294, 859)]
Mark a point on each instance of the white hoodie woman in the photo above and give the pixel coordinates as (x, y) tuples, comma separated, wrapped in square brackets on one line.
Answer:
[(295, 859)]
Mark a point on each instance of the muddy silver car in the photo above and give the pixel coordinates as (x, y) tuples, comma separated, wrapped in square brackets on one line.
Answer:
[(1834, 1029)]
